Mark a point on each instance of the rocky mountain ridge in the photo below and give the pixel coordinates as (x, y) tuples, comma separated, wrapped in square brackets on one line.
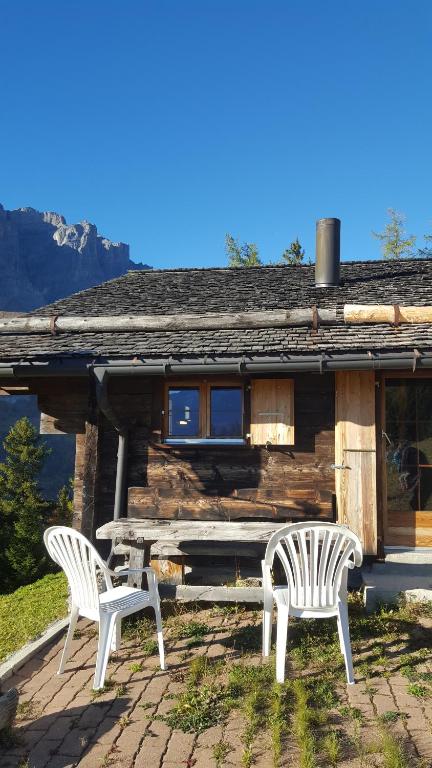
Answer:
[(43, 258)]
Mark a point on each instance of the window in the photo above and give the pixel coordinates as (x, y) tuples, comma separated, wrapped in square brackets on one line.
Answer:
[(183, 412), (204, 412)]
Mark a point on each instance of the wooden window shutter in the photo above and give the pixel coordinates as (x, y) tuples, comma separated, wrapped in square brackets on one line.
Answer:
[(272, 411)]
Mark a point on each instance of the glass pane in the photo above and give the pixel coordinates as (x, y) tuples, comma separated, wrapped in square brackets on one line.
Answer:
[(226, 412), (183, 412), (424, 441), (424, 400), (402, 454), (425, 489), (400, 400), (401, 432)]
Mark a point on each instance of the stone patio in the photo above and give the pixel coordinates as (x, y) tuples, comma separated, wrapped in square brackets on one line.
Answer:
[(62, 724)]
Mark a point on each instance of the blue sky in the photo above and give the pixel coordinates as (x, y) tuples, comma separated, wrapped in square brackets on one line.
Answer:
[(169, 124)]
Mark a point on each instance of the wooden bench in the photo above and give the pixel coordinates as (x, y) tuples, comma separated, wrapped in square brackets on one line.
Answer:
[(141, 534)]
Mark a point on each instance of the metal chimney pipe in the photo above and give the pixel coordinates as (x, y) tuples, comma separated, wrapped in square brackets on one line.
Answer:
[(327, 264)]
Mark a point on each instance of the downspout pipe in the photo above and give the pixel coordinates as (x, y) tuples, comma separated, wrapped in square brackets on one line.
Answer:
[(121, 483), (101, 379)]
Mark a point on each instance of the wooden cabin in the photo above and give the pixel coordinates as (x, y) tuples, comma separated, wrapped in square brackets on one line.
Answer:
[(241, 394)]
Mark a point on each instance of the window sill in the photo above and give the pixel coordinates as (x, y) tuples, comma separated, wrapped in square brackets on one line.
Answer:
[(205, 441)]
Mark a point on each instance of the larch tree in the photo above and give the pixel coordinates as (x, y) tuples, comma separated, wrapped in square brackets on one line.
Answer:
[(426, 251), (395, 243), (294, 254), (241, 255)]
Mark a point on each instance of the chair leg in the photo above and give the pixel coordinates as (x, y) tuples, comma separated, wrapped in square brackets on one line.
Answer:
[(116, 641), (68, 642), (267, 624), (106, 630), (345, 643), (160, 635), (281, 641)]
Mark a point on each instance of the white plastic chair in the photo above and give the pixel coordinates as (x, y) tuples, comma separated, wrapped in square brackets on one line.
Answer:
[(315, 557), (81, 563)]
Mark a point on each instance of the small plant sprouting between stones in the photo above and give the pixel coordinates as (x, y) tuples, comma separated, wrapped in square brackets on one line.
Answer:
[(392, 716), (136, 666), (192, 631), (331, 746), (149, 647), (220, 751), (418, 690)]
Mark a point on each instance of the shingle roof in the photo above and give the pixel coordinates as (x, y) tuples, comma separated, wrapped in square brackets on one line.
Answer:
[(216, 290)]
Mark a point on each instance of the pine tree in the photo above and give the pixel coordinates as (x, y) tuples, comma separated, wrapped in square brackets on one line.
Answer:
[(22, 509), (245, 255), (63, 509), (396, 244), (294, 254)]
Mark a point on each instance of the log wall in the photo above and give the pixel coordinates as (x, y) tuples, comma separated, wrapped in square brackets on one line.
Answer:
[(224, 482)]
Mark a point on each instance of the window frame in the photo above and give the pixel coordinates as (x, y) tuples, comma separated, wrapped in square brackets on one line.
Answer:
[(204, 386)]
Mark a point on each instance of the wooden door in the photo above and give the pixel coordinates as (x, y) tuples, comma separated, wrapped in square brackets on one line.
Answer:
[(355, 455), (407, 451)]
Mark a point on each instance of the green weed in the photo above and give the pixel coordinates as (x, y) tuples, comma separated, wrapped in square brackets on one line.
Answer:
[(352, 712), (27, 710), (392, 717), (135, 667), (246, 639), (302, 722), (137, 628), (418, 690), (149, 647), (392, 750), (331, 745), (220, 751), (197, 709)]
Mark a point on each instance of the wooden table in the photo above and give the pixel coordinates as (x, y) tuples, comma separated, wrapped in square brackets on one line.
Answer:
[(141, 534)]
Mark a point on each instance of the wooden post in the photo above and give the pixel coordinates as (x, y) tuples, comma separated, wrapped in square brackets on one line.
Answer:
[(90, 474), (78, 480), (355, 455), (139, 558)]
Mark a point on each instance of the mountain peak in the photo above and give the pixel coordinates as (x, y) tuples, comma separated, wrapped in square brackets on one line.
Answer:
[(43, 258)]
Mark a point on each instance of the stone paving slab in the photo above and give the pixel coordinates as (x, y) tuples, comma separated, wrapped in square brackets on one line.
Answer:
[(63, 724)]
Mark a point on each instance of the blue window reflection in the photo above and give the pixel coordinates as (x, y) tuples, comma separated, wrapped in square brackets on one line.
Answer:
[(183, 412), (226, 412)]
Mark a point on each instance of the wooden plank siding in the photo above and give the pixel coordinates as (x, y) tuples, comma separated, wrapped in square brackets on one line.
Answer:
[(355, 451)]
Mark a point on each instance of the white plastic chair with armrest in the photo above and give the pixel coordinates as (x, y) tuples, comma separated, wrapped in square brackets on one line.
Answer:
[(81, 562), (315, 557)]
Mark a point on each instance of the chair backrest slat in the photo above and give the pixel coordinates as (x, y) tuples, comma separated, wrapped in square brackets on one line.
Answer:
[(315, 558), (80, 562)]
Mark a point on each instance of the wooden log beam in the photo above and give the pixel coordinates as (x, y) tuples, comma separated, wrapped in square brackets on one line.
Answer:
[(386, 313), (201, 321)]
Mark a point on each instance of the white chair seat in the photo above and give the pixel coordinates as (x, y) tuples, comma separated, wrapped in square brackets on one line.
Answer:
[(121, 599), (281, 597)]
